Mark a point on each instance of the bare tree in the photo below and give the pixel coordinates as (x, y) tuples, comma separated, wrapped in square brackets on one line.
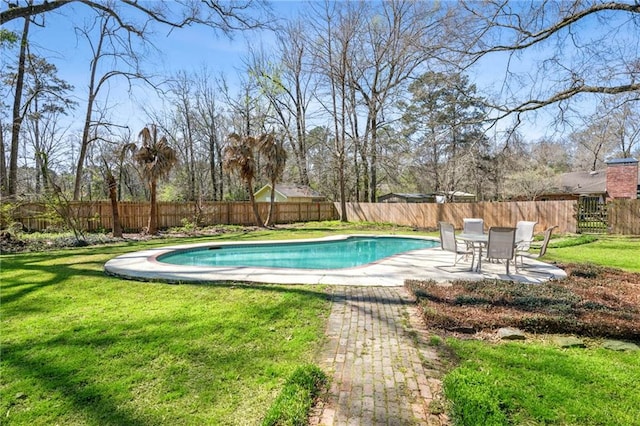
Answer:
[(47, 99), (530, 182), (210, 118), (334, 32), (625, 116), (592, 144), (533, 168), (182, 98), (110, 45), (8, 40), (288, 85), (248, 109), (40, 96), (394, 42)]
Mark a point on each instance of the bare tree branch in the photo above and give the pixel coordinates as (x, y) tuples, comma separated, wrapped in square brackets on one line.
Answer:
[(534, 104), (16, 12), (529, 38), (558, 52), (226, 16)]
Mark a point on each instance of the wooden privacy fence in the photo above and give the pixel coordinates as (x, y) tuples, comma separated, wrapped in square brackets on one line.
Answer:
[(427, 215), (134, 216), (623, 215)]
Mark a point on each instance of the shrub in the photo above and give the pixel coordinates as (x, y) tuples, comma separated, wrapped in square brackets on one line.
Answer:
[(593, 301)]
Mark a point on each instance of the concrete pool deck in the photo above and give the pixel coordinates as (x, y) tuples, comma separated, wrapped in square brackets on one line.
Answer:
[(424, 264)]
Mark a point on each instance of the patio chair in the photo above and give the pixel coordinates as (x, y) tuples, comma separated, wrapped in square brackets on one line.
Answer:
[(448, 243), (543, 247), (501, 245), (473, 225), (524, 235)]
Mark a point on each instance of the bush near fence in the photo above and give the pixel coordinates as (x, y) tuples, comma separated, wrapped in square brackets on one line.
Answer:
[(134, 216), (624, 215)]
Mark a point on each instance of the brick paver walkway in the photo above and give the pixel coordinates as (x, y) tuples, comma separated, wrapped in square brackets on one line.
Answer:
[(384, 373)]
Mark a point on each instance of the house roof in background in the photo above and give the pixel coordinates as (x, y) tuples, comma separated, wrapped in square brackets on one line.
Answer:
[(622, 161), (456, 194), (408, 195), (428, 196), (293, 190), (593, 182)]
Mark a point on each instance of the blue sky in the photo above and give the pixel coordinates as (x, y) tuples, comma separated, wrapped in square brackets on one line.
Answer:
[(192, 49), (189, 49)]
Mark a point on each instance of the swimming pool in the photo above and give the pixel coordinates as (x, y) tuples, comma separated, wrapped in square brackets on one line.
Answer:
[(344, 253), (430, 263)]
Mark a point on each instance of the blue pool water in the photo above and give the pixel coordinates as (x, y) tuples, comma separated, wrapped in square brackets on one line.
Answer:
[(347, 253)]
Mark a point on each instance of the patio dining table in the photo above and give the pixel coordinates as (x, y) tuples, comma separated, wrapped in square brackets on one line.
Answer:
[(477, 242)]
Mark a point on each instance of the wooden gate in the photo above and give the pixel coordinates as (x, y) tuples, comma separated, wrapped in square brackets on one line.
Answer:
[(591, 216)]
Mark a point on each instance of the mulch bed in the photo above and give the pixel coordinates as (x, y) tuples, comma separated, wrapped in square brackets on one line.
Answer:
[(13, 243), (591, 302)]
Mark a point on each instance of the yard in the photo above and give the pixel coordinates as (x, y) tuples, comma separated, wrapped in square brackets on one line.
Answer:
[(79, 347)]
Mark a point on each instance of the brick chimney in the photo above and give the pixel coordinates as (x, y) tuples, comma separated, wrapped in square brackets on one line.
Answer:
[(622, 178)]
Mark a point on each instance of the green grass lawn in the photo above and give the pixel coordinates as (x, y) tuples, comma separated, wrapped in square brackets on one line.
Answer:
[(79, 347), (615, 252), (540, 384)]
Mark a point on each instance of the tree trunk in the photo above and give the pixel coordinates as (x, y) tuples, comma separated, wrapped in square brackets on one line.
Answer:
[(152, 227), (272, 198), (83, 147), (191, 167), (374, 157), (113, 196), (301, 152), (254, 205), (42, 164), (212, 166), (220, 173), (16, 115), (3, 167), (40, 171), (88, 116), (343, 195)]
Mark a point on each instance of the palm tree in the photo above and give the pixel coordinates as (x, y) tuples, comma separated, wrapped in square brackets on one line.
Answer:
[(156, 158), (113, 186), (238, 158), (275, 158)]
